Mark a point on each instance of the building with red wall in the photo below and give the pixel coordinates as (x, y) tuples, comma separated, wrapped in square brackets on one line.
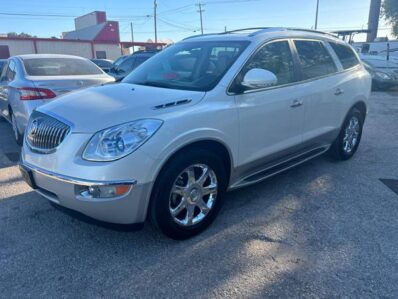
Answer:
[(94, 37)]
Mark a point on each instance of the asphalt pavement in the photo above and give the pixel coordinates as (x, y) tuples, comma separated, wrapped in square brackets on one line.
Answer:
[(321, 230)]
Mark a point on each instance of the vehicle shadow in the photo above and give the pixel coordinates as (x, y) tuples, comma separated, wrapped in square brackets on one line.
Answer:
[(296, 231)]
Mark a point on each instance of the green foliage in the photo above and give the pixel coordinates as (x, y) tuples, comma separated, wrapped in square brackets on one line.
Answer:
[(390, 13), (22, 34)]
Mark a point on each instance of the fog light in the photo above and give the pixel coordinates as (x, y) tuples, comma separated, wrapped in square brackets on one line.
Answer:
[(106, 191)]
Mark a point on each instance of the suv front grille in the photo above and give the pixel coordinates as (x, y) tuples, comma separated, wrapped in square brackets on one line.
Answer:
[(45, 133)]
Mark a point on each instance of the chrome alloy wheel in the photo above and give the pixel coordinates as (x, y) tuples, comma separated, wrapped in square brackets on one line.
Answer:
[(193, 195), (351, 135)]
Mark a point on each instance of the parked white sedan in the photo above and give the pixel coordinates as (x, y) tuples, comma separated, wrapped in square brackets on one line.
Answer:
[(29, 81)]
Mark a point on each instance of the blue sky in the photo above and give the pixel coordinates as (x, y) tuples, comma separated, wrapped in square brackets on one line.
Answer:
[(179, 18)]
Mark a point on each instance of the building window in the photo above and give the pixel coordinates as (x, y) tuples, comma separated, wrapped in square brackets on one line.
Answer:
[(100, 54)]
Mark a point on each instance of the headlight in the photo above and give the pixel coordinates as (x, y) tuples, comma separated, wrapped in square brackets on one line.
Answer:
[(383, 76), (119, 141)]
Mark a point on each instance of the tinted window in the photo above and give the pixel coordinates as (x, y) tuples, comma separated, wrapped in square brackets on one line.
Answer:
[(127, 65), (346, 55), (140, 60), (275, 57), (315, 60), (102, 63), (60, 67), (10, 73), (188, 65), (2, 63)]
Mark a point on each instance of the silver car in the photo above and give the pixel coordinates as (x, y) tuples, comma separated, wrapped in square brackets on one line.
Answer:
[(209, 114), (29, 81)]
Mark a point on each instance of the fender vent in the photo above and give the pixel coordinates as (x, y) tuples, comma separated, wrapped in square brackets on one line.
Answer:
[(173, 104)]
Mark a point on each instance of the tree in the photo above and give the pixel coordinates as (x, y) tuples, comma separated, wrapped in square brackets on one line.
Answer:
[(390, 13), (22, 35)]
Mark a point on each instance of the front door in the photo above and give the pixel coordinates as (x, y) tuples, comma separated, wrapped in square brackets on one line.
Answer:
[(271, 119)]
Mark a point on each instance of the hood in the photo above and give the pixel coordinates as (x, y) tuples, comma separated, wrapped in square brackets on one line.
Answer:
[(97, 108)]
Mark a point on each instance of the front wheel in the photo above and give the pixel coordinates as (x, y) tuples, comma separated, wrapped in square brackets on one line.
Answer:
[(187, 195), (346, 144)]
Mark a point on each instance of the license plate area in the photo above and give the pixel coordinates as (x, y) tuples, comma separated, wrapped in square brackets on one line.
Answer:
[(27, 176)]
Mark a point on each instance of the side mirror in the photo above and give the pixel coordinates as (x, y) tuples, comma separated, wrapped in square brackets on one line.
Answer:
[(259, 78)]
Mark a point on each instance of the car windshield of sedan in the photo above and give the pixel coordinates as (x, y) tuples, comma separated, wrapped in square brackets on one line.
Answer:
[(195, 66)]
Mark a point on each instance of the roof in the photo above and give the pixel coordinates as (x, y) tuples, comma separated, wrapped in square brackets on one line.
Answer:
[(88, 33), (254, 33), (33, 56)]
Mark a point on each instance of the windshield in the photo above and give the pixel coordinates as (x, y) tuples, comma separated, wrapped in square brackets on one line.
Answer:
[(195, 66), (60, 67)]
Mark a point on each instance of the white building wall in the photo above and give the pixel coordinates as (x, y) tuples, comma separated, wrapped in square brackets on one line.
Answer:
[(18, 47), (59, 47), (113, 51), (86, 21)]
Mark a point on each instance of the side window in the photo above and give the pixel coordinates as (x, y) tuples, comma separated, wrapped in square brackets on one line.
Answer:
[(315, 60), (275, 57), (3, 74), (345, 54), (139, 61), (127, 65), (10, 73)]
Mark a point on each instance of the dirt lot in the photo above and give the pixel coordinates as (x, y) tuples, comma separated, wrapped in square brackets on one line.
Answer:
[(323, 229)]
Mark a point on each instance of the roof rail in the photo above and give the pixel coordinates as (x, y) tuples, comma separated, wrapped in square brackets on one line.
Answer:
[(198, 35), (246, 29), (311, 30), (259, 30)]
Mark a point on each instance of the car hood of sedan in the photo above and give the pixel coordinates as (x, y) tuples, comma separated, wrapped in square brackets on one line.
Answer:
[(97, 108)]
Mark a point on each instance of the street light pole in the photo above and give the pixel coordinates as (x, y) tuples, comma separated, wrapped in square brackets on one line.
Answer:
[(316, 14)]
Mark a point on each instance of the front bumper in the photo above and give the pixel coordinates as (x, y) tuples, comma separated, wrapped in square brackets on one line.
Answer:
[(64, 190)]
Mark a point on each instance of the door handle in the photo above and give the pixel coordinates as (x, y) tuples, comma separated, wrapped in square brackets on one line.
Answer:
[(338, 92), (296, 103)]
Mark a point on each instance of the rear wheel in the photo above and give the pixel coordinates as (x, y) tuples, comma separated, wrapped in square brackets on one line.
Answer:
[(349, 137), (187, 195), (17, 136)]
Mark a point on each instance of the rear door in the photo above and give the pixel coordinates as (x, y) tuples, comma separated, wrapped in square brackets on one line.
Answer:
[(318, 80), (7, 77), (271, 119)]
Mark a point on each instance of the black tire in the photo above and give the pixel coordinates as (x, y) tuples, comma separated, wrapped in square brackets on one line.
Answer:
[(338, 150), (17, 136), (159, 212)]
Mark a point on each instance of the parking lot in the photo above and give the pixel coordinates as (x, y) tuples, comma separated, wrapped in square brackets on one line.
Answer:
[(323, 229)]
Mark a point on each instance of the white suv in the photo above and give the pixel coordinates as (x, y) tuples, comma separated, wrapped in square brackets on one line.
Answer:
[(209, 114)]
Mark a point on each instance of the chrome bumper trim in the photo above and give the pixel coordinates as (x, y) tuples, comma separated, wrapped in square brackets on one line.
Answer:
[(76, 181)]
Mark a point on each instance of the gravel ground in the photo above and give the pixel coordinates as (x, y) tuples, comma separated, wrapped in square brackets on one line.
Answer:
[(323, 229)]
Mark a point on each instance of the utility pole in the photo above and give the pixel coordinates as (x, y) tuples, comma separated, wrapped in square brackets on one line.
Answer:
[(316, 14), (373, 21), (132, 33), (155, 5), (201, 18)]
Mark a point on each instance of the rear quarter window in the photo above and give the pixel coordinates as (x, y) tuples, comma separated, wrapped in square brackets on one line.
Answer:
[(315, 60), (345, 54)]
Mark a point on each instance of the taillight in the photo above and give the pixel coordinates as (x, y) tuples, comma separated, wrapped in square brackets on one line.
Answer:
[(31, 93)]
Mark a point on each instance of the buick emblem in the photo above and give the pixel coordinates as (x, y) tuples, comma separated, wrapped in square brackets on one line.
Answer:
[(34, 127)]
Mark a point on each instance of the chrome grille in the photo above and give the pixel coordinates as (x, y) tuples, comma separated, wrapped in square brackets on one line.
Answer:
[(45, 133)]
